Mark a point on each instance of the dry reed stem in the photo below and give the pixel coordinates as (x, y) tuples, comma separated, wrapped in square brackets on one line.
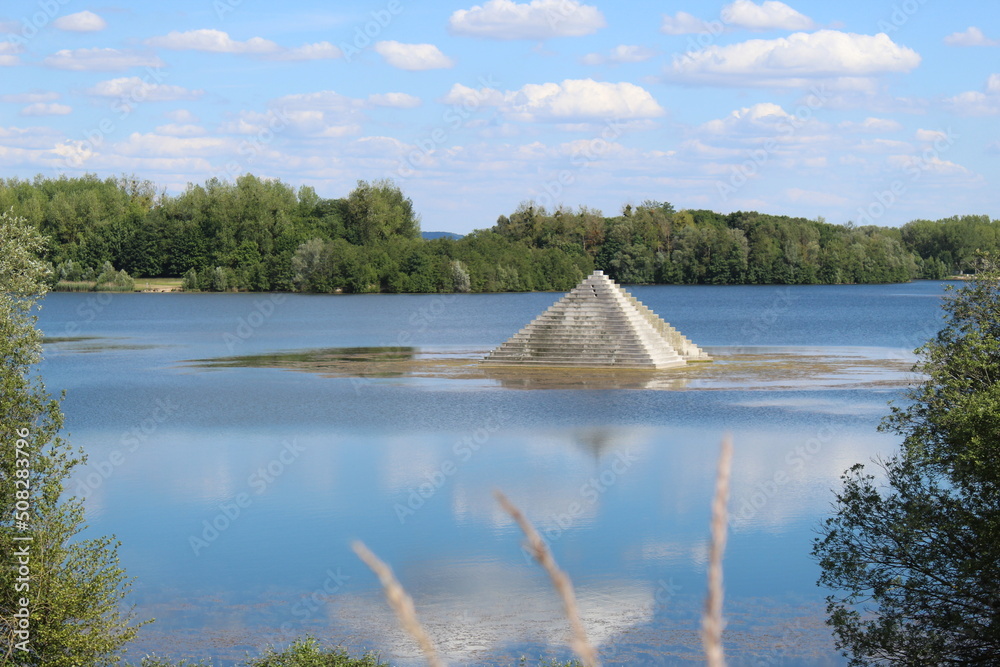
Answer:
[(711, 622), (560, 581), (400, 602)]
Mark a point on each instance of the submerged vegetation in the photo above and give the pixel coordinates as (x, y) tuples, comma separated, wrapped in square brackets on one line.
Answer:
[(264, 235)]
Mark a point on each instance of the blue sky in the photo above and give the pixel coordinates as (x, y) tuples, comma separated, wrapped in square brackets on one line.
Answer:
[(872, 112)]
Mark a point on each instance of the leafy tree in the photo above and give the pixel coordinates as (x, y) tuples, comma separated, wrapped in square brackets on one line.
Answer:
[(65, 609), (915, 559), (379, 211)]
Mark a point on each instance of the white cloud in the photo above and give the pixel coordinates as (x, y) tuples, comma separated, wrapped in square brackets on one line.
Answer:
[(213, 41), (769, 15), (683, 24), (139, 90), (181, 130), (85, 21), (30, 98), (571, 99), (8, 53), (974, 103), (317, 51), (182, 116), (323, 100), (621, 54), (413, 57), (46, 109), (993, 84), (161, 145), (538, 19), (972, 36), (932, 164), (796, 60), (871, 124), (324, 113), (929, 136), (100, 60), (397, 100), (764, 117)]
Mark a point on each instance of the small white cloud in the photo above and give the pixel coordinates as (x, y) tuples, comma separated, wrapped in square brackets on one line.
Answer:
[(182, 116), (972, 36), (317, 51), (930, 135), (100, 60), (212, 41), (683, 24), (766, 118), (46, 109), (569, 100), (181, 130), (30, 98), (85, 21), (397, 100), (8, 54), (538, 19), (135, 89), (974, 103), (621, 54), (796, 60), (872, 124), (413, 57), (993, 84), (769, 15)]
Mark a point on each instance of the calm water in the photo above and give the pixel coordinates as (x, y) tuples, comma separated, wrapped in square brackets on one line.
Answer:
[(236, 492)]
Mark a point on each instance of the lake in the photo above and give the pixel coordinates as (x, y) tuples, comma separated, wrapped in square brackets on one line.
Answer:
[(237, 485)]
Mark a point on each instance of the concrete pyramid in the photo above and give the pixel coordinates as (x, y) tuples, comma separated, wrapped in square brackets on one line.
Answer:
[(596, 325)]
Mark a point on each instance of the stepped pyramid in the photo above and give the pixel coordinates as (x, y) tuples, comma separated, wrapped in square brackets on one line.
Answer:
[(597, 324)]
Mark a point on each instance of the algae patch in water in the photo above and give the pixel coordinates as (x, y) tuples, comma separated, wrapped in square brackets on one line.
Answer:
[(734, 368)]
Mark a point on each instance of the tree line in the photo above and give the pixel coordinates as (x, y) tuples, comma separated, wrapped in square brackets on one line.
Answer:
[(260, 235)]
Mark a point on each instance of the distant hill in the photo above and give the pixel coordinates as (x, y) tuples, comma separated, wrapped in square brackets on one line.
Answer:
[(430, 236)]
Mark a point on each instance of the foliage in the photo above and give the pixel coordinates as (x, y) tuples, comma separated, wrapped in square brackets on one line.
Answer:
[(307, 652), (260, 235), (75, 586), (915, 559)]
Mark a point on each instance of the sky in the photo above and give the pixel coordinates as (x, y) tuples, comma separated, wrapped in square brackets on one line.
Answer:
[(872, 112)]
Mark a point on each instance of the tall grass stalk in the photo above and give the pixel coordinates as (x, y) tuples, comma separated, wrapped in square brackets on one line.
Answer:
[(711, 622), (400, 602), (560, 581)]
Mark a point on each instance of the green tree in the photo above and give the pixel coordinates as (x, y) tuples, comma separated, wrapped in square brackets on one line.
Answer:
[(915, 558), (66, 609), (379, 211)]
